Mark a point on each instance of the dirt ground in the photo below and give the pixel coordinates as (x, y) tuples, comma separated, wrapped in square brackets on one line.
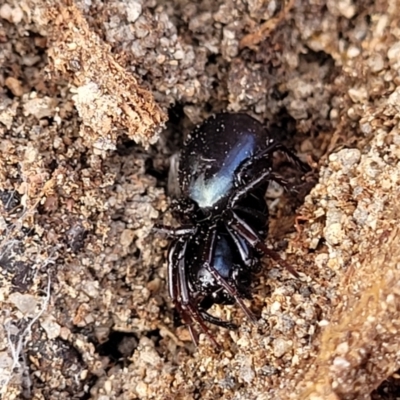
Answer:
[(95, 97)]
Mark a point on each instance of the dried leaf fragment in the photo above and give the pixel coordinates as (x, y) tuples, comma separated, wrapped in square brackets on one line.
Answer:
[(107, 97)]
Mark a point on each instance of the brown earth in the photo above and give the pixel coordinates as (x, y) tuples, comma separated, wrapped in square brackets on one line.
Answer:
[(95, 97)]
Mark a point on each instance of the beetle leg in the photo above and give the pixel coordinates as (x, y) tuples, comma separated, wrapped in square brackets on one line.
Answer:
[(253, 212), (263, 177), (240, 192), (192, 314), (251, 160), (232, 291), (242, 247), (174, 255), (180, 294), (216, 321), (247, 233), (184, 230), (274, 146)]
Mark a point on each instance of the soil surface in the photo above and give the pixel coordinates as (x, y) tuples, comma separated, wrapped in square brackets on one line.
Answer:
[(95, 99)]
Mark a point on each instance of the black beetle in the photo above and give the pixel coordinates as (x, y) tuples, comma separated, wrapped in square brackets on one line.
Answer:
[(224, 170)]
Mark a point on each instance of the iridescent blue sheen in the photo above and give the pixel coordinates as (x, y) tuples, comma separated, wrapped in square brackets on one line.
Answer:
[(213, 154)]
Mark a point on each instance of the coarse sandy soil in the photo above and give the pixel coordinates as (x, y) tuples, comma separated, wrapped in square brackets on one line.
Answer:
[(96, 96)]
